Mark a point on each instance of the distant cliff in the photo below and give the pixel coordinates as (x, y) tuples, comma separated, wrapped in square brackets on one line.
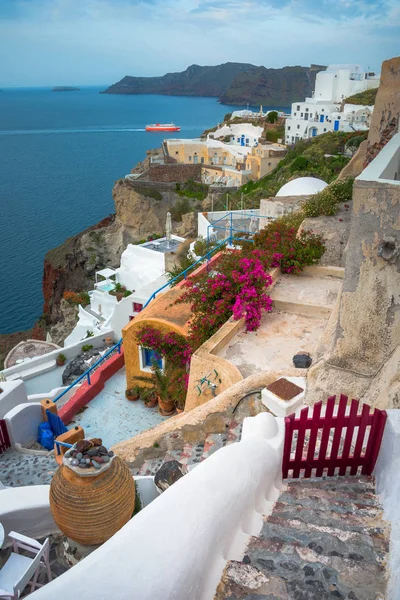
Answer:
[(232, 83), (65, 88)]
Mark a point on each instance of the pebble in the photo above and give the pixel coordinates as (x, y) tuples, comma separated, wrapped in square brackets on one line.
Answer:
[(111, 453), (98, 459), (67, 454), (87, 461), (102, 450), (74, 462), (79, 455), (97, 465), (106, 459), (92, 452)]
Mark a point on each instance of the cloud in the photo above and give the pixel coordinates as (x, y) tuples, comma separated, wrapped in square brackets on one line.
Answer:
[(98, 41)]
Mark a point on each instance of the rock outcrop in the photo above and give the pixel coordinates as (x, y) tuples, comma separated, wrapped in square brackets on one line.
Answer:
[(335, 231), (359, 353)]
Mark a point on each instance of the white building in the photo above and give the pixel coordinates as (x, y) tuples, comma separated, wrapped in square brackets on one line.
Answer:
[(324, 111)]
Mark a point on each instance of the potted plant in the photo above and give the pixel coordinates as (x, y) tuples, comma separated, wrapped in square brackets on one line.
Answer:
[(132, 393), (60, 360), (160, 389)]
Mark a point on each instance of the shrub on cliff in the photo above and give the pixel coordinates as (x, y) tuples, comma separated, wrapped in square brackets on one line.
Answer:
[(75, 298), (326, 202)]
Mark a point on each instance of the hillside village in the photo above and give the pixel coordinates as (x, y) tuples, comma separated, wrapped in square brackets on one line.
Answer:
[(210, 408)]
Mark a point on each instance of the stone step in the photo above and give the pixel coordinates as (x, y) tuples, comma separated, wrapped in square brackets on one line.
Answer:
[(324, 540), (356, 484), (345, 518), (347, 493)]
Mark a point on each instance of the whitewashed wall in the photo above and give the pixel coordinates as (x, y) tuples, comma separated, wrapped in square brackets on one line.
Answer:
[(13, 394), (387, 478), (177, 548)]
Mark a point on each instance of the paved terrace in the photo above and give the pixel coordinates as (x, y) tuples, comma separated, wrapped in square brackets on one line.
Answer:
[(109, 416), (302, 305)]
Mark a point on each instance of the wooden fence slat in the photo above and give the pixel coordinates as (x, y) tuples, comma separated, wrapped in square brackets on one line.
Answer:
[(313, 438), (374, 442), (351, 424), (360, 438), (325, 435), (287, 445), (320, 426), (339, 425), (4, 437), (300, 442)]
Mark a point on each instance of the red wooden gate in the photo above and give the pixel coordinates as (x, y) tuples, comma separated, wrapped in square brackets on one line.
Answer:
[(342, 438), (4, 437)]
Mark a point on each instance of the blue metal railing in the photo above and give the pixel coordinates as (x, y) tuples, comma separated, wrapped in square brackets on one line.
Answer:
[(86, 374), (58, 444), (231, 230)]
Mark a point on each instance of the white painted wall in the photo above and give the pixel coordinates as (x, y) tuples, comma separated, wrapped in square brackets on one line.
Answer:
[(139, 266), (27, 511), (177, 548), (387, 478), (13, 393), (385, 164), (22, 422), (70, 351)]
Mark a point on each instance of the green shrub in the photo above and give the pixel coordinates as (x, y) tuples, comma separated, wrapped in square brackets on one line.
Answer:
[(326, 202), (300, 163), (182, 207), (227, 117), (87, 347), (272, 116), (149, 192)]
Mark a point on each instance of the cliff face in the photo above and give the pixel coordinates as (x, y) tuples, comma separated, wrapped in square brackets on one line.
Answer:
[(232, 83), (195, 81)]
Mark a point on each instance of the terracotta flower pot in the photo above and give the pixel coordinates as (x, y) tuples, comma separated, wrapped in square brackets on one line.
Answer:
[(132, 397), (152, 402), (60, 363), (165, 408), (179, 410)]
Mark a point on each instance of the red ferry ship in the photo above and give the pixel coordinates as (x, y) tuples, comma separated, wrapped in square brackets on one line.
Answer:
[(163, 127)]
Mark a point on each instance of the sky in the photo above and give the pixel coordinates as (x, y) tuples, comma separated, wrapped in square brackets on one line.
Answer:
[(97, 42)]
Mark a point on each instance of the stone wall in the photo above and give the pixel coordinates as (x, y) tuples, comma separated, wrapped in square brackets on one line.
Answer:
[(171, 173), (386, 115), (360, 344)]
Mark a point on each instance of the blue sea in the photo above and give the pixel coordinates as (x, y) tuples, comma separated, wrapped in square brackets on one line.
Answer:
[(60, 153)]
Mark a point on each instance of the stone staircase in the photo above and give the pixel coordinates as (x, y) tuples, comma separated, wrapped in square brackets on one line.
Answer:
[(325, 539), (191, 454)]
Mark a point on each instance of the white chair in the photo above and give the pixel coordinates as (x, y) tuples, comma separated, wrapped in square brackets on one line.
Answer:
[(20, 570)]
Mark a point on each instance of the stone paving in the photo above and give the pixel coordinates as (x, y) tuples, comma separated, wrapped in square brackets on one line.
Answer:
[(325, 539), (18, 469), (192, 454)]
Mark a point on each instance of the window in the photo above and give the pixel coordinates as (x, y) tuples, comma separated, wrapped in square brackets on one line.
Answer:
[(292, 138), (190, 158), (202, 160), (177, 152), (324, 128), (306, 109), (137, 307), (294, 114), (322, 110), (148, 358), (298, 126), (298, 107), (288, 128), (301, 114)]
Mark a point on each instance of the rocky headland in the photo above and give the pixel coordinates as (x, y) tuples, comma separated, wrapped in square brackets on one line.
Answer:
[(65, 88), (231, 83)]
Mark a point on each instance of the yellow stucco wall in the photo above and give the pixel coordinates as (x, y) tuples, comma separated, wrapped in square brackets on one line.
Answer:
[(160, 314)]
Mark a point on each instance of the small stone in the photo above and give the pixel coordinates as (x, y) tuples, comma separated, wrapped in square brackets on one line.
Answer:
[(302, 360), (103, 449), (97, 459), (96, 441), (97, 465), (110, 453), (168, 474), (106, 459), (74, 462), (79, 455), (82, 461), (92, 452), (308, 571), (67, 454), (246, 559), (83, 445), (87, 461)]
